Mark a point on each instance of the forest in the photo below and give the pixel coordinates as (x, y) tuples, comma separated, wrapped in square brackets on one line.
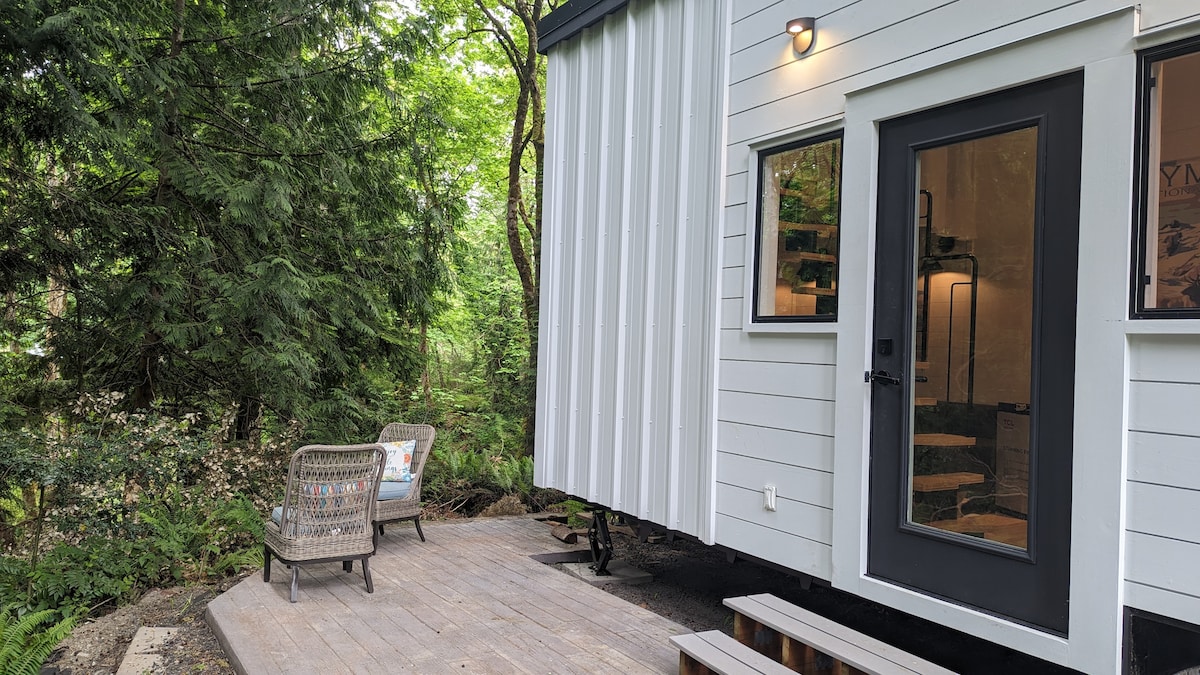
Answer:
[(232, 228)]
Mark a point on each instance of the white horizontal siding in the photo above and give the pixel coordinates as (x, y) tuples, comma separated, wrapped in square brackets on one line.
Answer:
[(780, 446), (1163, 486), (772, 90), (1165, 358), (731, 282), (775, 427), (843, 34), (1164, 407), (793, 483), (735, 221), (737, 345), (744, 9), (1160, 13), (1164, 459), (1165, 602), (1168, 567), (629, 268), (794, 517), (1155, 510), (737, 187), (803, 380), (735, 249), (775, 545), (806, 415)]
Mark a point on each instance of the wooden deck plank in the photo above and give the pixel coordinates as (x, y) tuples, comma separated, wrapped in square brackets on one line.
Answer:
[(467, 600), (345, 632)]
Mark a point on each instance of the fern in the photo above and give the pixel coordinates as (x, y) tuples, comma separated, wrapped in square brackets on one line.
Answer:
[(26, 642)]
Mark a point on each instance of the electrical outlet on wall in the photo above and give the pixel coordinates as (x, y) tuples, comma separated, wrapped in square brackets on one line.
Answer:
[(769, 497)]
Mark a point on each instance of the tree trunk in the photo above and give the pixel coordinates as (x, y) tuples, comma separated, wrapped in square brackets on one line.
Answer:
[(528, 129), (148, 354), (424, 349), (246, 426), (10, 320)]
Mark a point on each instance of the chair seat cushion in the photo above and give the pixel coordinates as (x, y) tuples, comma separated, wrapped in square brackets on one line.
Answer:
[(387, 490), (277, 514)]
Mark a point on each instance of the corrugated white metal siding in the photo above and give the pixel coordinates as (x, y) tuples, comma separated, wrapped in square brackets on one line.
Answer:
[(1162, 531), (629, 310)]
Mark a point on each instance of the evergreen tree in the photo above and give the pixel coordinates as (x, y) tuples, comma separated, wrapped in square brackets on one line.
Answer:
[(244, 202)]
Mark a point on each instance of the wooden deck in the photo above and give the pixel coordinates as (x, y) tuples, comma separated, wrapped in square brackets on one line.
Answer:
[(469, 600)]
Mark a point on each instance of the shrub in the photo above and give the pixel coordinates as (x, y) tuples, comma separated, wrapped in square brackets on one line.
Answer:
[(26, 641), (466, 482), (118, 502), (176, 538)]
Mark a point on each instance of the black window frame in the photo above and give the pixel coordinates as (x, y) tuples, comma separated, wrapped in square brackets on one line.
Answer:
[(756, 272), (1143, 125)]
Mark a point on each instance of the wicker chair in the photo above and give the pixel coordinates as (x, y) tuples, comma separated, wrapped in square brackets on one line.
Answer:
[(407, 507), (327, 510)]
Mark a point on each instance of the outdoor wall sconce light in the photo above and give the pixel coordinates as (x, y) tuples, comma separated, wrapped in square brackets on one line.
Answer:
[(802, 31)]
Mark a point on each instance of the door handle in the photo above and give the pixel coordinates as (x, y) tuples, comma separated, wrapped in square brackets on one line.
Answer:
[(883, 376)]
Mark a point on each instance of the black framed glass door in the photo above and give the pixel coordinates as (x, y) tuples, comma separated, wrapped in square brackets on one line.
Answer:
[(973, 366)]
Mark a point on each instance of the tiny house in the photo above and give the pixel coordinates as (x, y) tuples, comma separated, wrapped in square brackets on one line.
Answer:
[(901, 295)]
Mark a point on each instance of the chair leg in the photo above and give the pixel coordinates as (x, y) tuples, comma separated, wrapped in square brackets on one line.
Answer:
[(347, 565), (417, 522), (380, 528), (266, 563), (367, 575), (295, 582)]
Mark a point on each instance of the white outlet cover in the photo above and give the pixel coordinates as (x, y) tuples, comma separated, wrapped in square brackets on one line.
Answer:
[(769, 497)]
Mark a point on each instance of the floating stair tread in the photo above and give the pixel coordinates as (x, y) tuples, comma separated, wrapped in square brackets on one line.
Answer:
[(807, 227), (937, 482), (844, 644), (944, 440), (796, 256), (993, 527), (813, 290), (723, 654)]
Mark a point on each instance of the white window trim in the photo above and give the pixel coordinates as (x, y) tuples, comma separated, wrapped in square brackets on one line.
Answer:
[(757, 148)]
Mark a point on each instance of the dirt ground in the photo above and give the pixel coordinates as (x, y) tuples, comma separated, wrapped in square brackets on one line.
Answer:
[(690, 581), (99, 645)]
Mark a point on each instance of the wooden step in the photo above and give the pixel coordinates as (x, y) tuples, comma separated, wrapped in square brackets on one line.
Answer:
[(939, 482), (990, 526), (943, 440), (761, 619), (715, 652)]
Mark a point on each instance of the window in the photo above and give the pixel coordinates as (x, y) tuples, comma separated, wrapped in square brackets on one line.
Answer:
[(1167, 281), (798, 218)]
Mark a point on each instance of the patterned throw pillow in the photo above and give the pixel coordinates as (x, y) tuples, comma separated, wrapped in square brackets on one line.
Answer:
[(399, 460)]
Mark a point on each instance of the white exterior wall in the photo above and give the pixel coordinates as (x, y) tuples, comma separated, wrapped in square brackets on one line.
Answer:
[(873, 61), (628, 319), (1163, 532), (791, 409)]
